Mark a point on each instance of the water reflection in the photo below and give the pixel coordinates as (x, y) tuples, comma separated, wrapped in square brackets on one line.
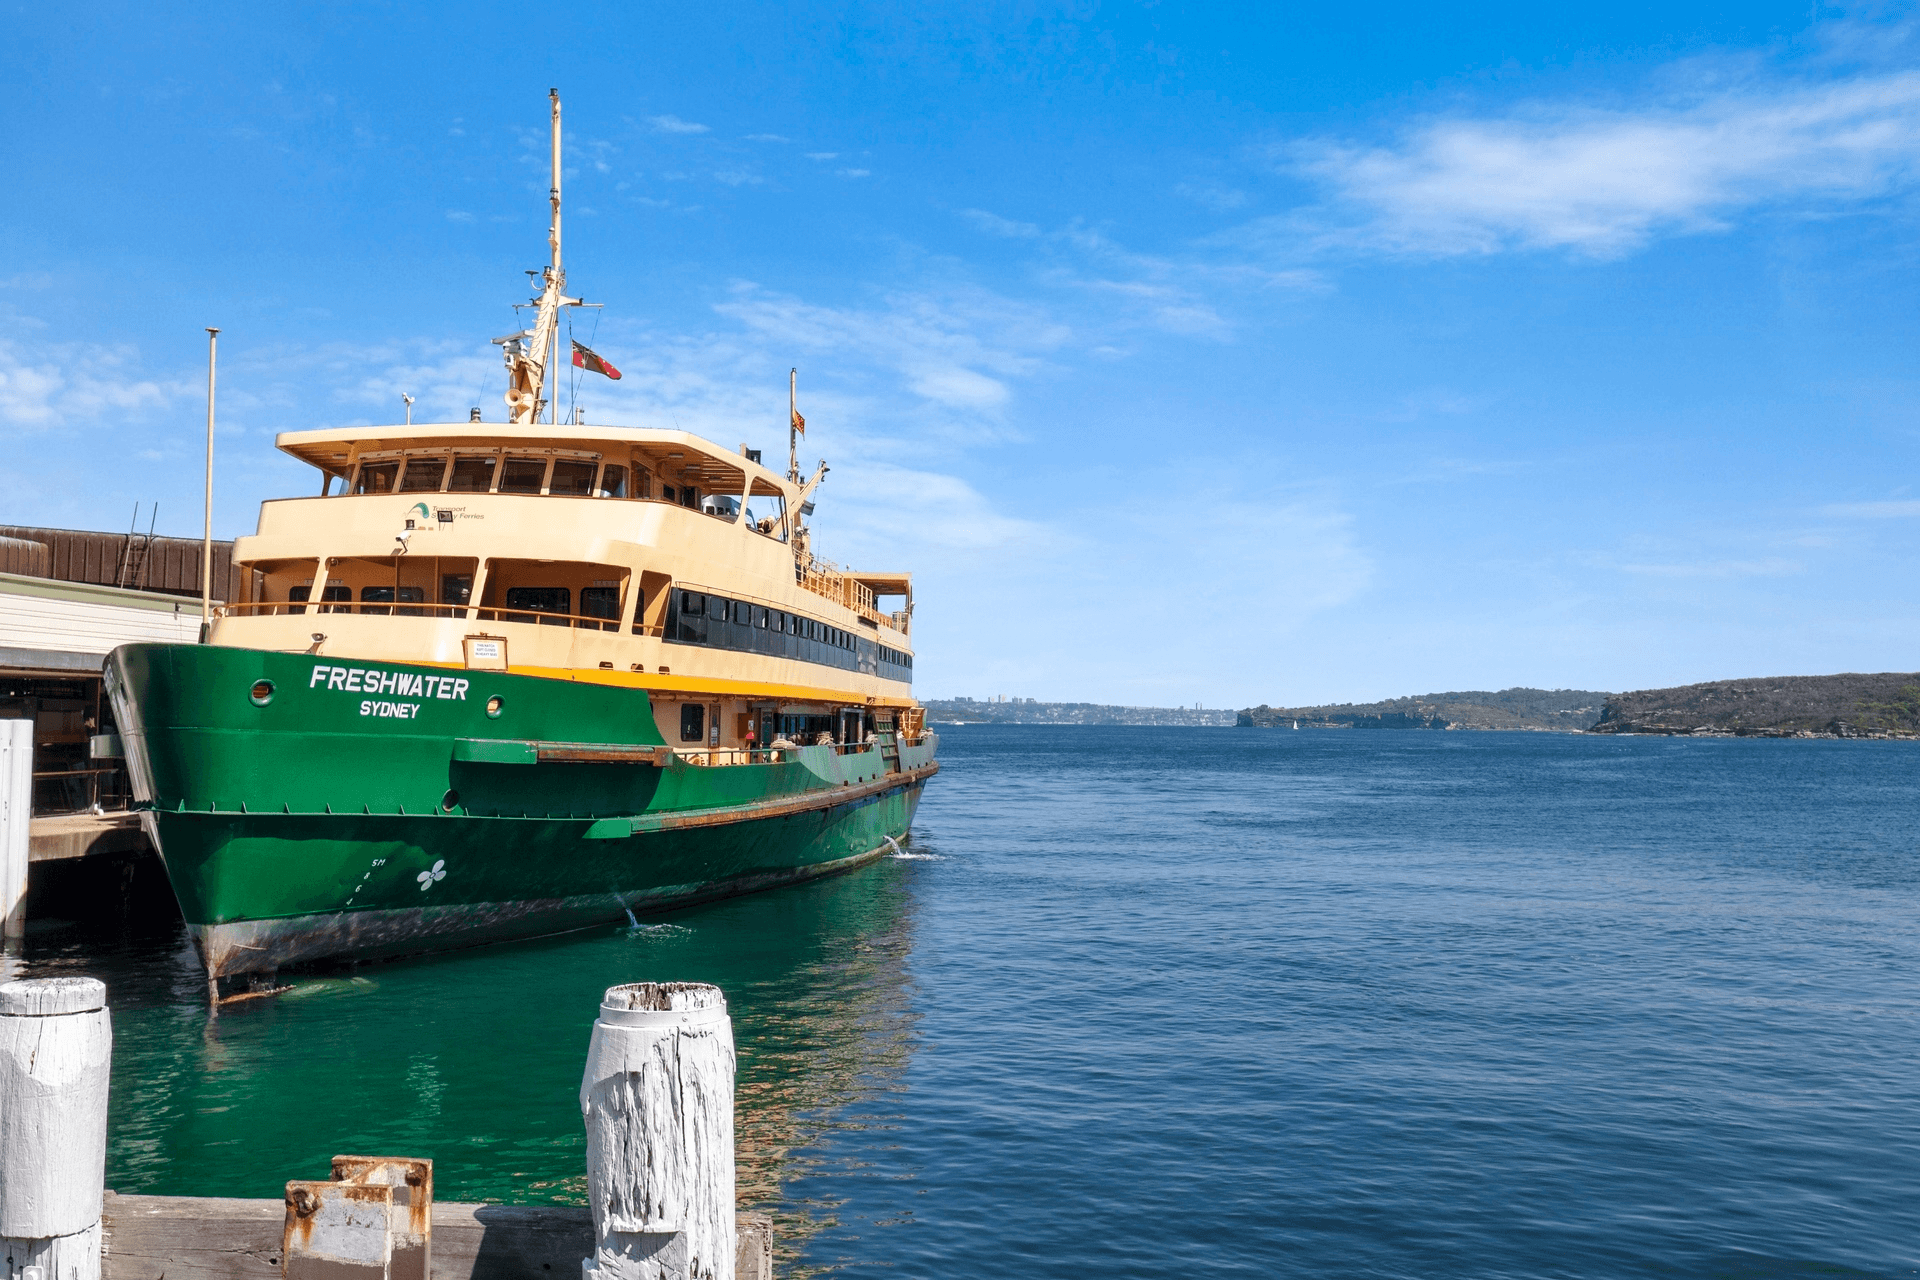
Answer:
[(473, 1058)]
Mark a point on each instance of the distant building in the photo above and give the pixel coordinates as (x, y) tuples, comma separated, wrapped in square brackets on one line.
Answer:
[(67, 599)]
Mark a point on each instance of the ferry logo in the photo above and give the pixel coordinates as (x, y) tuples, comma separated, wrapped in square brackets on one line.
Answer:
[(437, 872)]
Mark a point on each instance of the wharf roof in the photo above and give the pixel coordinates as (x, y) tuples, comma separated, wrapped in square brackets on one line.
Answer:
[(678, 457)]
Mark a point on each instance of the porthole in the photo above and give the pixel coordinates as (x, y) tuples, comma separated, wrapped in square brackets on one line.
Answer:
[(261, 693), (494, 704), (450, 801)]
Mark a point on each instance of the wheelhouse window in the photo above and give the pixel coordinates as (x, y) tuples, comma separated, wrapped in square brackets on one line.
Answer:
[(523, 475), (540, 599), (693, 722), (613, 482), (601, 600), (472, 474), (423, 475), (371, 596), (376, 477), (572, 478), (555, 592), (329, 594), (456, 588)]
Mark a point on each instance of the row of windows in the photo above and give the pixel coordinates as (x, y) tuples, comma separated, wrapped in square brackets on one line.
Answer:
[(695, 617), (555, 477)]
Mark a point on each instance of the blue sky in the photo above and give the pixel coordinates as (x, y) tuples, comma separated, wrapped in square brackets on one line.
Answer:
[(1228, 355)]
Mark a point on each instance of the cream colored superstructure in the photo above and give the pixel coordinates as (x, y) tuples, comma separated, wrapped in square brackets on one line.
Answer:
[(367, 575)]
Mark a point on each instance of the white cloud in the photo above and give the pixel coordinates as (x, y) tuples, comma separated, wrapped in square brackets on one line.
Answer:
[(766, 137), (674, 124), (940, 345), (71, 385), (739, 178), (854, 173), (1605, 182), (823, 155), (994, 224), (459, 215)]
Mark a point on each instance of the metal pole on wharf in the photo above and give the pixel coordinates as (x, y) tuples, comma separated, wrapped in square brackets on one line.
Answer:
[(657, 1096), (56, 1050), (206, 537), (16, 824)]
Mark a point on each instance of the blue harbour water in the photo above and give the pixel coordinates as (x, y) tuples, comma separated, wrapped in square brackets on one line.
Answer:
[(1143, 1002)]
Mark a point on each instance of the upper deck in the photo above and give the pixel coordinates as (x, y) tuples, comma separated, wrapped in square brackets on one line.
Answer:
[(656, 537)]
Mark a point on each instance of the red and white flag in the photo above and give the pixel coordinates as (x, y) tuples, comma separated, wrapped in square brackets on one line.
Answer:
[(586, 359)]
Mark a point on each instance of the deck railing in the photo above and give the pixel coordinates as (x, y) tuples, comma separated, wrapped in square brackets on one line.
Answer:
[(383, 609)]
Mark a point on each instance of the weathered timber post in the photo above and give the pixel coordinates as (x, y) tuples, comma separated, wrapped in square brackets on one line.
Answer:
[(658, 1102), (56, 1049), (16, 823)]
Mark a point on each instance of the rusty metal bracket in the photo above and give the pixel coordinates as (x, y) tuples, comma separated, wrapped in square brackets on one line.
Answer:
[(372, 1220)]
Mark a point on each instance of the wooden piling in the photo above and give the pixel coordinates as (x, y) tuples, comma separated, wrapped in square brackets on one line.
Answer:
[(56, 1052), (657, 1097), (16, 824)]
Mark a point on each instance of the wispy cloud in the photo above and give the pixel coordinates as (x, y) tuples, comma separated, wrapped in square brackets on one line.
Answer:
[(1772, 567), (1603, 182), (50, 387), (767, 137), (957, 351), (995, 225), (674, 124), (1897, 510)]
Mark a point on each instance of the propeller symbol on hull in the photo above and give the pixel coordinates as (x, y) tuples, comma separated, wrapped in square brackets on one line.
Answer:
[(437, 872)]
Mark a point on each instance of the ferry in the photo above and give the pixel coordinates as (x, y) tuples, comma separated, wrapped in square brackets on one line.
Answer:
[(503, 679)]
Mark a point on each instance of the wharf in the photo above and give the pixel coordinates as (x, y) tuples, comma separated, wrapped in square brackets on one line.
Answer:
[(210, 1238), (85, 835)]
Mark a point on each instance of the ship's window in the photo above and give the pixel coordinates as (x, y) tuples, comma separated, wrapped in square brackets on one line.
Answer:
[(423, 475), (540, 599), (668, 492), (456, 588), (472, 475), (523, 475), (693, 722), (371, 596), (571, 478), (759, 617), (742, 613), (690, 497), (692, 602), (613, 481), (330, 595), (377, 477), (600, 602)]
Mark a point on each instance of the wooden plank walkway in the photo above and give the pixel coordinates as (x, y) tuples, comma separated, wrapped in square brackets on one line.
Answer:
[(208, 1238)]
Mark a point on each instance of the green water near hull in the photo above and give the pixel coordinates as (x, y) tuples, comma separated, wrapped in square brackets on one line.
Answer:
[(473, 1058)]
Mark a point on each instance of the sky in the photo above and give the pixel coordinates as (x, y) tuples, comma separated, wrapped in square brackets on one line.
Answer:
[(1216, 354)]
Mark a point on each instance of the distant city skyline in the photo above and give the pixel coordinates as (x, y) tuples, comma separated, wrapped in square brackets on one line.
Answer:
[(1218, 356)]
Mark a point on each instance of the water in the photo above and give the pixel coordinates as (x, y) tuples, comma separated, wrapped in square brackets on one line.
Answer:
[(1150, 1002)]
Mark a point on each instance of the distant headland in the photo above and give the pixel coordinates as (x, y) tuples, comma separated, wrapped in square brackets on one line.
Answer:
[(1549, 710), (1885, 705), (1032, 711)]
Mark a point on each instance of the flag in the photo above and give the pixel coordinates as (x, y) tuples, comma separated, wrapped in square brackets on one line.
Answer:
[(585, 359), (799, 423)]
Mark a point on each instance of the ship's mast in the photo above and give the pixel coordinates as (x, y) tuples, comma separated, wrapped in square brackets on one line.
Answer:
[(529, 353)]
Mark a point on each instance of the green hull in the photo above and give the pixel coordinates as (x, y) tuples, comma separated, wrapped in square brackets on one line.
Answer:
[(334, 821)]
